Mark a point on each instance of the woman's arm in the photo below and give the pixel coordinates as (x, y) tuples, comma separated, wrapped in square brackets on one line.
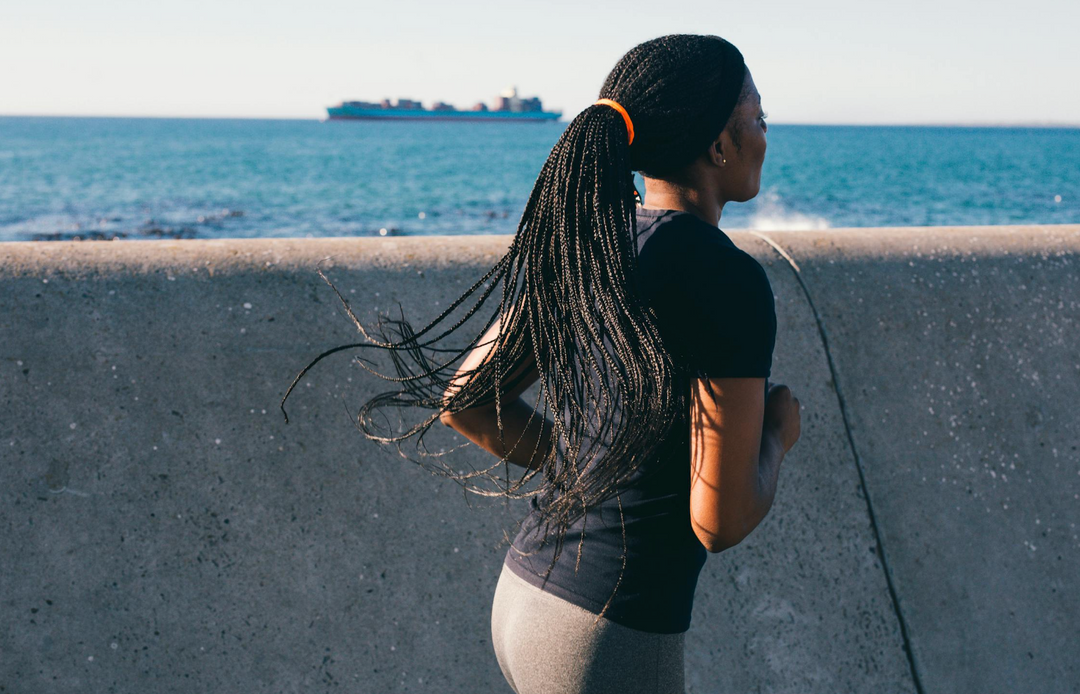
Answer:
[(478, 424), (735, 460)]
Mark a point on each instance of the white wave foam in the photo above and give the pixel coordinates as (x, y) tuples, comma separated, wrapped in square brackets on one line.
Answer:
[(772, 215)]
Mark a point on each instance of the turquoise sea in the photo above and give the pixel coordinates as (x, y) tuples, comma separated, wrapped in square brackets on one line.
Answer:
[(100, 178)]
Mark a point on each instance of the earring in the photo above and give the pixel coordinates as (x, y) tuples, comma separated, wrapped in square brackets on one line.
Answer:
[(723, 161)]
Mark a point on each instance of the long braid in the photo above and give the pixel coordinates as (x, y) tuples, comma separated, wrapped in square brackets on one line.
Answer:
[(569, 278)]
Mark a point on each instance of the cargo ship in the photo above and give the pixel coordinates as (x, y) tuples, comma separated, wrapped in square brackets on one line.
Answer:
[(508, 106)]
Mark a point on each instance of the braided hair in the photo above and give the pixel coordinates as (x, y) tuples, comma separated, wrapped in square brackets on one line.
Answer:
[(569, 296)]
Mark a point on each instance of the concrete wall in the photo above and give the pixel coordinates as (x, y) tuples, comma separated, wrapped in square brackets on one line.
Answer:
[(165, 531)]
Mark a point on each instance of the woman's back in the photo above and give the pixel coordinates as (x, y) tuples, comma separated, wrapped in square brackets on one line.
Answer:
[(714, 306)]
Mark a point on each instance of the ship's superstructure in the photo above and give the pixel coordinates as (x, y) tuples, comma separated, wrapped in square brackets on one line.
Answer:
[(508, 106)]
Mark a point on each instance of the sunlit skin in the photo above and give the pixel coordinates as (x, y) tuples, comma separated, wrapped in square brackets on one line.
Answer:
[(723, 173)]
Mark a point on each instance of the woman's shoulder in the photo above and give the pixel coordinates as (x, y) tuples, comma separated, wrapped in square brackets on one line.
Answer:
[(684, 243)]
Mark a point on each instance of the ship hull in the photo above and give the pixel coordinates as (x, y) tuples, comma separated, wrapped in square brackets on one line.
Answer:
[(349, 113)]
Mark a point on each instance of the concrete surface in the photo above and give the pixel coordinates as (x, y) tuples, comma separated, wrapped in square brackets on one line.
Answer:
[(165, 531), (958, 359)]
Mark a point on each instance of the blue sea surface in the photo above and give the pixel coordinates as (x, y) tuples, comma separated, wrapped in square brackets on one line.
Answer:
[(145, 178)]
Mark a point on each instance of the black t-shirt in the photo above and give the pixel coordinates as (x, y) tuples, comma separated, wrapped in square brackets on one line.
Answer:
[(714, 303)]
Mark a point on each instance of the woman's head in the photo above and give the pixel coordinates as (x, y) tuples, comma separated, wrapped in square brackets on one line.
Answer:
[(696, 114)]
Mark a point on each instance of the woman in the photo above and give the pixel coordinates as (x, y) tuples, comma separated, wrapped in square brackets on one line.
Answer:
[(651, 336), (698, 137)]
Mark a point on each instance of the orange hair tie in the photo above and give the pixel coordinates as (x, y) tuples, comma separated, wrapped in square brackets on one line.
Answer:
[(625, 116)]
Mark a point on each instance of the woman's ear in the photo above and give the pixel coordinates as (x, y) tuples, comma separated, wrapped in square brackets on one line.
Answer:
[(716, 152)]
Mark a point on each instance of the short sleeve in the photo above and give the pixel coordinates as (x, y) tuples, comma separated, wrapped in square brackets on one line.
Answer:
[(716, 311)]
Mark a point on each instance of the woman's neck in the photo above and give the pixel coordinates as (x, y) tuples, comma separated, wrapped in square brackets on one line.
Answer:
[(664, 195)]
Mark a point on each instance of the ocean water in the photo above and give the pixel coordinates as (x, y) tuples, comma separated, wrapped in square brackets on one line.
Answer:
[(103, 178)]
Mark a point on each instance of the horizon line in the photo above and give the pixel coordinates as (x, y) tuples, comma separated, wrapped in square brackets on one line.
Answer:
[(894, 124)]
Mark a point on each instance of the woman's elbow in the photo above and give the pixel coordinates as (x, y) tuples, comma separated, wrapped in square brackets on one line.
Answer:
[(715, 546), (472, 418), (714, 543)]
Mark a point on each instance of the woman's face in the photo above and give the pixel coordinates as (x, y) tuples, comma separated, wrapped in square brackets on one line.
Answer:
[(743, 146)]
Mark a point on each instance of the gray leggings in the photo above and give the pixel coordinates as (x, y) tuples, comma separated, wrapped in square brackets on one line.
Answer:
[(545, 644)]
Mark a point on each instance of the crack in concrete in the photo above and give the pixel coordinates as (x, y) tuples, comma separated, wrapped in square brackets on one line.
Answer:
[(858, 462)]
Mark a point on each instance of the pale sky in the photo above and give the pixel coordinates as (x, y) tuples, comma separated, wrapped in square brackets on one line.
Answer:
[(845, 61)]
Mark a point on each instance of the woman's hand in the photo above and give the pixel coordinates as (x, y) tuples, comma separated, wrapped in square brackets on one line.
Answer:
[(782, 415)]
